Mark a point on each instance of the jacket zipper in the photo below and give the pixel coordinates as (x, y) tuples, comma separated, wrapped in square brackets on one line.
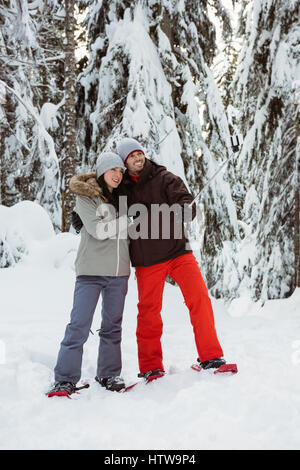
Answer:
[(118, 250)]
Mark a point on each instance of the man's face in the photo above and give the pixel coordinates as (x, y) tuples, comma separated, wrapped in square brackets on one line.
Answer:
[(135, 162)]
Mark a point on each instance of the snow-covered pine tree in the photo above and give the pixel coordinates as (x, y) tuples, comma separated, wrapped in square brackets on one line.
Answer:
[(149, 77), (265, 94), (29, 162)]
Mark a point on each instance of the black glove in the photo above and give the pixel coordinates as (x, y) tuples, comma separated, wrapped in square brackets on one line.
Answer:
[(76, 222)]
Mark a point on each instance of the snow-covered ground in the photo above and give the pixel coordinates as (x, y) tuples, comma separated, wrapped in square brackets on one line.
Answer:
[(259, 408)]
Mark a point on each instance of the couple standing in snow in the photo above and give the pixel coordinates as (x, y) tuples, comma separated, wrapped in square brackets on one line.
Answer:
[(103, 266)]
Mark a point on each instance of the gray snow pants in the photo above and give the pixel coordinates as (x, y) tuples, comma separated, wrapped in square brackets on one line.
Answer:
[(86, 296)]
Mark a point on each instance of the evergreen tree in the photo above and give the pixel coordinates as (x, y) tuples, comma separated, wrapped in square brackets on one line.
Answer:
[(38, 126), (264, 90), (29, 162)]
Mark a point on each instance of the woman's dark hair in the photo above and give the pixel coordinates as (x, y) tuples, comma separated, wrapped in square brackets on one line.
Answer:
[(112, 197)]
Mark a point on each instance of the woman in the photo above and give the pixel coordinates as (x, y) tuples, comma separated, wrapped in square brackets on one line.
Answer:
[(102, 266)]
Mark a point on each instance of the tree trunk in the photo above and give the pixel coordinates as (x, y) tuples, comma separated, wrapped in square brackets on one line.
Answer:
[(69, 157), (2, 146)]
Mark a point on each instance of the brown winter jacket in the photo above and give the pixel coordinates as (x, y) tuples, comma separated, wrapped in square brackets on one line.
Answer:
[(157, 186)]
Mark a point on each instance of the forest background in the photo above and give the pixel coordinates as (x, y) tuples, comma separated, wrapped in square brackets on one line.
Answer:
[(181, 77)]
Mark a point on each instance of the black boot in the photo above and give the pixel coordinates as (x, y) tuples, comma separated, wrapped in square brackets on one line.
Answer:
[(62, 389), (151, 373), (114, 384), (212, 363)]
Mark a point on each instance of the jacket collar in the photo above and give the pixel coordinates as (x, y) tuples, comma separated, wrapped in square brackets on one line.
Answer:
[(150, 170)]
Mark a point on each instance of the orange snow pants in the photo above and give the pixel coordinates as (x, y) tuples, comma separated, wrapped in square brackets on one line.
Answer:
[(184, 270)]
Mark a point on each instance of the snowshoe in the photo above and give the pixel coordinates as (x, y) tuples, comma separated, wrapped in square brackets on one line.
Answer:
[(219, 364), (212, 363), (147, 376), (152, 375), (64, 389)]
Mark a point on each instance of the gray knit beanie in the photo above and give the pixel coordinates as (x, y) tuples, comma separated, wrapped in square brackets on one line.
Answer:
[(107, 161), (127, 146)]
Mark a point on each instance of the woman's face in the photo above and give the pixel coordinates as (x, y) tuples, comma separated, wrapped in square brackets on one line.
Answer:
[(113, 178)]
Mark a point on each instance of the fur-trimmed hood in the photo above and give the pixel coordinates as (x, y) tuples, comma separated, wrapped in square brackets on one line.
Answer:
[(86, 185)]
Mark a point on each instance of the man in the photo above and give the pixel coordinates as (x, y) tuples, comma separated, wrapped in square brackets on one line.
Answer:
[(155, 257)]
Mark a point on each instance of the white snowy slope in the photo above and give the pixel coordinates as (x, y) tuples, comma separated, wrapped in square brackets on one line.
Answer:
[(259, 408)]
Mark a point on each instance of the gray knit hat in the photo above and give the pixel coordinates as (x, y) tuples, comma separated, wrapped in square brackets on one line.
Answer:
[(127, 146), (107, 161)]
